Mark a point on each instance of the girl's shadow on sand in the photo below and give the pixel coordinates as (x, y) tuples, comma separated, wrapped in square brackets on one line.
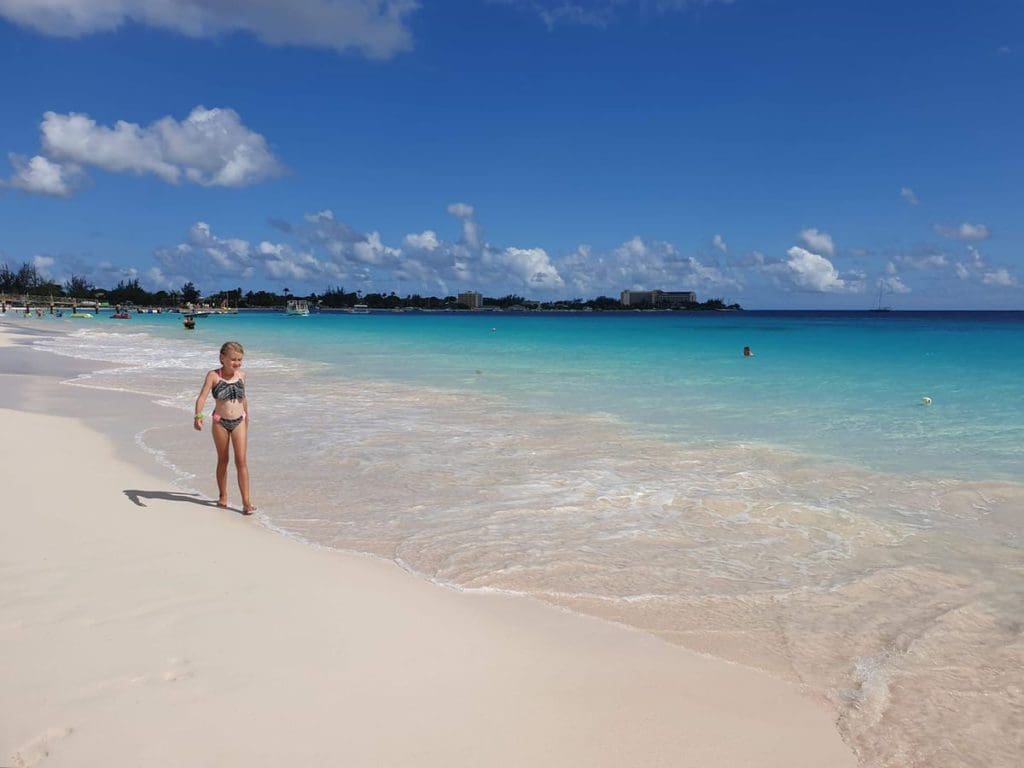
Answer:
[(137, 497)]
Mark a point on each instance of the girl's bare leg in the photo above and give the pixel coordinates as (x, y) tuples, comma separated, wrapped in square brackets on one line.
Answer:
[(221, 439), (239, 441)]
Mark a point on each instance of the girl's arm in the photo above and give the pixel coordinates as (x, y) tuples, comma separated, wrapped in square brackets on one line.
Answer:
[(208, 383), (245, 400)]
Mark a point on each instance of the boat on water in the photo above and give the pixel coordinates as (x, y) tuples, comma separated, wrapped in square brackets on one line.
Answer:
[(878, 307), (297, 308), (360, 309), (121, 316), (192, 309), (82, 313)]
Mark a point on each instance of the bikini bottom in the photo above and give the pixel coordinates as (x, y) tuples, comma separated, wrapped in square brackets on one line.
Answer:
[(228, 424)]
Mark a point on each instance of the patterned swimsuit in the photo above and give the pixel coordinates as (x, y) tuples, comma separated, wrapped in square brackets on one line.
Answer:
[(229, 390)]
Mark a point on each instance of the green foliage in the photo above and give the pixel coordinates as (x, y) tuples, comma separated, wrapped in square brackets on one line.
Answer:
[(27, 280), (715, 304), (129, 293), (262, 299), (505, 302), (77, 287), (605, 303), (336, 298), (189, 293)]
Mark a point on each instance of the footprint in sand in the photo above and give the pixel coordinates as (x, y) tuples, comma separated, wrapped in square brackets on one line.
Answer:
[(38, 749), (180, 669), (177, 669)]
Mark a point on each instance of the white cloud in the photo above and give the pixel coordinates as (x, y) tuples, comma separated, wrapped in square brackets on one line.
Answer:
[(635, 248), (641, 265), (460, 210), (928, 260), (424, 241), (44, 265), (375, 27), (470, 230), (1000, 277), (719, 242), (908, 194), (599, 13), (976, 268), (819, 242), (325, 215), (429, 262), (371, 250), (101, 272), (812, 272), (205, 256), (532, 267), (210, 260), (210, 147), (156, 278), (282, 262), (39, 175), (327, 251), (348, 249), (964, 231), (892, 282), (705, 275), (229, 255)]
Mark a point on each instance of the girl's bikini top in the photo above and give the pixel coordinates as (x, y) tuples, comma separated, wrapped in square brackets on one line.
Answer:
[(229, 390)]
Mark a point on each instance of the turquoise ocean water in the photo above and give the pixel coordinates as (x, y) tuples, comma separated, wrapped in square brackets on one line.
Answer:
[(802, 511)]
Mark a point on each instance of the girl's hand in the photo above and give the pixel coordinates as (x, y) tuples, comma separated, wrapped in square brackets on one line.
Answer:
[(197, 423)]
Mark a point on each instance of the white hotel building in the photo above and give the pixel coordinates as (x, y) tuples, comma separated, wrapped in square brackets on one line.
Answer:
[(657, 299)]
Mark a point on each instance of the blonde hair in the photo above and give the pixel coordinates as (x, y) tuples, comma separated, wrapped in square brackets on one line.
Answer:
[(231, 346)]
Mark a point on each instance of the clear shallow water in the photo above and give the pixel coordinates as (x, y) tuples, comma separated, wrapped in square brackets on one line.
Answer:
[(801, 512), (847, 385)]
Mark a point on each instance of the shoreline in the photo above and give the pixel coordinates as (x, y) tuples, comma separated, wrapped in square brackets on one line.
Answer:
[(183, 635)]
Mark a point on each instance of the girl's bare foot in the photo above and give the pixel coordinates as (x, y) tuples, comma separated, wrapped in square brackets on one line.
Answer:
[(223, 504), (248, 509)]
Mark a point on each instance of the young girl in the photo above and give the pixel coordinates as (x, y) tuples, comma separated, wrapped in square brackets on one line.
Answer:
[(230, 420)]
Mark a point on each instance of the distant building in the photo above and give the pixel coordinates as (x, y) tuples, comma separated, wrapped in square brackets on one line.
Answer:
[(674, 298), (636, 298), (470, 299), (657, 299)]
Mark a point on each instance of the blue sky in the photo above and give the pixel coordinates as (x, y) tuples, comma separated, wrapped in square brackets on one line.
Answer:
[(777, 154)]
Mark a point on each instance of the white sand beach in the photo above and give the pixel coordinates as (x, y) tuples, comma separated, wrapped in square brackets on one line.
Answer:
[(142, 626)]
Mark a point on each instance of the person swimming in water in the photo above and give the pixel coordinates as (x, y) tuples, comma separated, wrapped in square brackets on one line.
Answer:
[(747, 352), (230, 421)]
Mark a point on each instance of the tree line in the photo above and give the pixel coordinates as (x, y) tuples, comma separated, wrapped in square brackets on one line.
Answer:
[(27, 281)]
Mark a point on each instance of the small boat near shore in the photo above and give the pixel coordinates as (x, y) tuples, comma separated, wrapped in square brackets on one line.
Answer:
[(297, 308)]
